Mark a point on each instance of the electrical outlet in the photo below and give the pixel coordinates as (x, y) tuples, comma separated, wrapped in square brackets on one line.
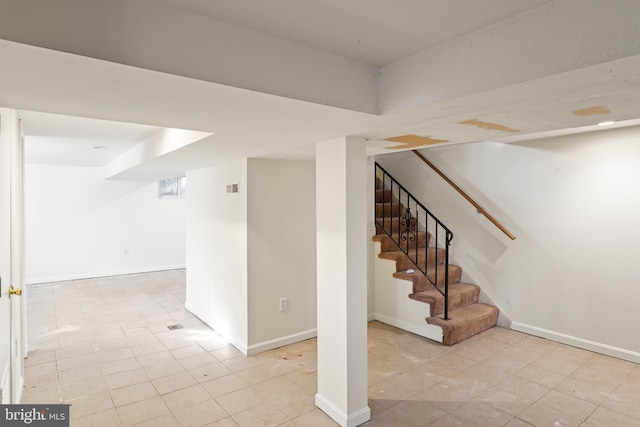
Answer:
[(284, 304)]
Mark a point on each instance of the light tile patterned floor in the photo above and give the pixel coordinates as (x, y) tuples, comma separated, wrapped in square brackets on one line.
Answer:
[(103, 345)]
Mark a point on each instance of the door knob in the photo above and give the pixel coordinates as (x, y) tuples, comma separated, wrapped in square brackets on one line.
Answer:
[(14, 291)]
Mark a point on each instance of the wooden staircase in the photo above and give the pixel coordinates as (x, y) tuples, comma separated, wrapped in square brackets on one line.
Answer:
[(467, 317)]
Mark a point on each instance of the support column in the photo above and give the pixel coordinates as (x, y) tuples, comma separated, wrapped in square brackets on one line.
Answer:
[(341, 226)]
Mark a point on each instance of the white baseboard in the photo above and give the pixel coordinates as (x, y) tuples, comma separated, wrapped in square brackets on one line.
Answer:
[(345, 420), (597, 347), (282, 341), (18, 399), (81, 276), (428, 331), (259, 347), (371, 316), (232, 340)]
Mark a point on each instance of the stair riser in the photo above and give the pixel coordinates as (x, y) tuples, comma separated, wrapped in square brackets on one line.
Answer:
[(383, 196), (393, 224), (456, 300), (387, 244), (453, 335), (455, 275), (389, 209), (404, 263), (422, 284), (431, 256)]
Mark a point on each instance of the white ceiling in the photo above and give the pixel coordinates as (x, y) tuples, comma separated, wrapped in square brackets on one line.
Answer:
[(69, 140), (253, 124), (375, 32)]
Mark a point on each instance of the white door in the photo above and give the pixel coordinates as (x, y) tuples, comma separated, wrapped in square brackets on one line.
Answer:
[(11, 258)]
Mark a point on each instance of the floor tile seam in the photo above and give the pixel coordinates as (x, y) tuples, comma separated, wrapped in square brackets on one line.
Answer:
[(181, 408), (618, 411), (254, 404), (626, 377), (634, 417), (549, 407), (449, 415), (618, 384), (511, 417), (586, 384), (401, 416), (145, 420), (432, 385), (539, 367), (524, 361), (534, 401), (178, 389), (273, 406)]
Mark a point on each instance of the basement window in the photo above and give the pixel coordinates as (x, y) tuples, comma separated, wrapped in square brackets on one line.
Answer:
[(172, 187)]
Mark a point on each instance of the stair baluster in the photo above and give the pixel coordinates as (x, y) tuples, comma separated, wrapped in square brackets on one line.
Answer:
[(408, 228), (402, 220)]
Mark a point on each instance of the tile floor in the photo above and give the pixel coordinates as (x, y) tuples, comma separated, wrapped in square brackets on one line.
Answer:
[(103, 346)]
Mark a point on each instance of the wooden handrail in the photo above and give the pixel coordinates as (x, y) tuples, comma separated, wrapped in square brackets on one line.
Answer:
[(479, 208)]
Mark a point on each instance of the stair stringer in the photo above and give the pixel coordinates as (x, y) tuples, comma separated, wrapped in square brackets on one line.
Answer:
[(393, 305)]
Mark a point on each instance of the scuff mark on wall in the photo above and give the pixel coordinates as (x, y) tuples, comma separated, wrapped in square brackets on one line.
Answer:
[(488, 125), (592, 111), (413, 141)]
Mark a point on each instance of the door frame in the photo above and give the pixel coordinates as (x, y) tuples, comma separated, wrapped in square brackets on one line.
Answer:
[(12, 269)]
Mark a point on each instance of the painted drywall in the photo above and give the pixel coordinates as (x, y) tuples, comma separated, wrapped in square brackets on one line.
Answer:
[(562, 36), (217, 249), (341, 224), (573, 204), (78, 225), (372, 255), (150, 35), (393, 305), (281, 249)]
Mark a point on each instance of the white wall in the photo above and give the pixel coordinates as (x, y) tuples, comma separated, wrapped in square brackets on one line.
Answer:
[(247, 250), (392, 304), (573, 204), (79, 226), (217, 249), (281, 250)]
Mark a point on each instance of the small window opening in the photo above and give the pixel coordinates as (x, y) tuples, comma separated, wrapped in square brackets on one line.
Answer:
[(172, 187)]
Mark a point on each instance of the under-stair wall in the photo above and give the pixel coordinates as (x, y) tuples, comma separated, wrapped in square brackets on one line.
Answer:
[(573, 204)]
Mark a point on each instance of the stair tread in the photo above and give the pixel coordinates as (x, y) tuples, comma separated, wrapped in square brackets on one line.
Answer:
[(466, 322), (409, 276), (422, 250), (380, 236), (422, 283), (460, 295), (388, 243), (412, 248), (455, 288), (465, 314)]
